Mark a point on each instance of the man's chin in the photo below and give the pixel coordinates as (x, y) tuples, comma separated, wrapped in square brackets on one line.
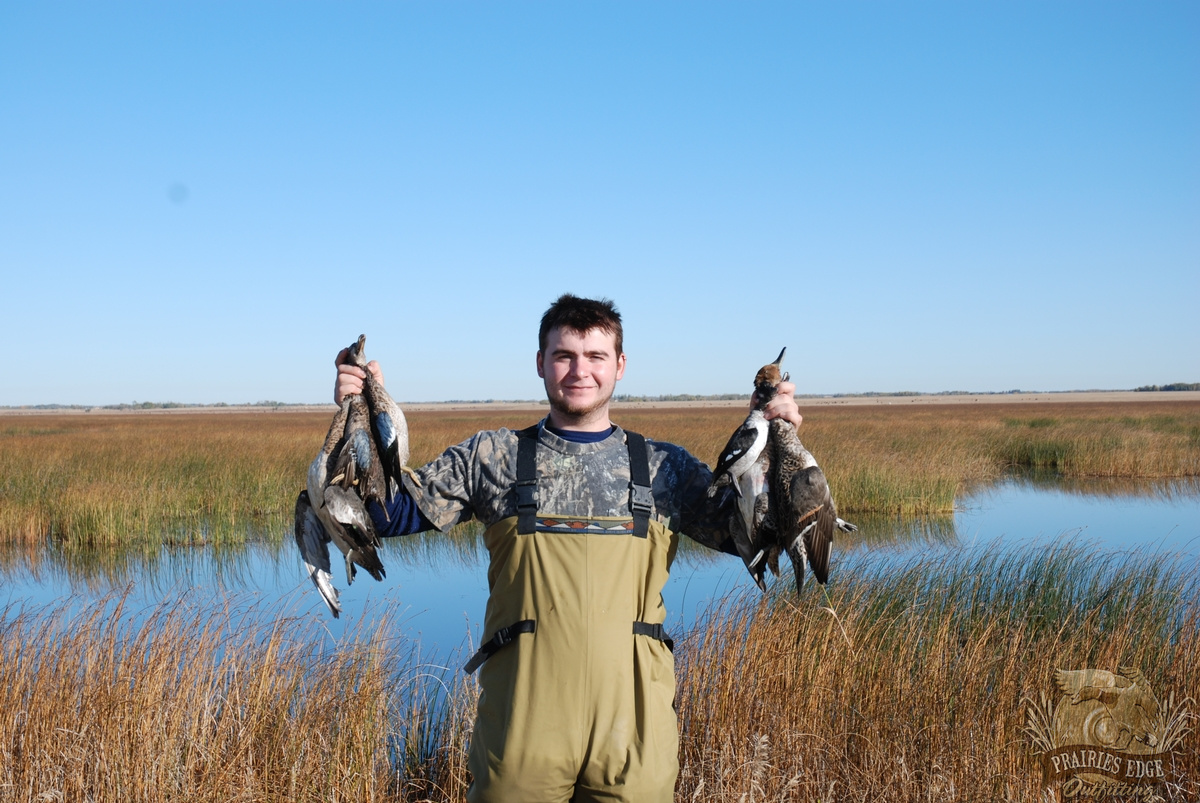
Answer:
[(577, 409)]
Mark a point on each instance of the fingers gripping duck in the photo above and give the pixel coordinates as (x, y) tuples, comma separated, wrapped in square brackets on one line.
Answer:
[(361, 460)]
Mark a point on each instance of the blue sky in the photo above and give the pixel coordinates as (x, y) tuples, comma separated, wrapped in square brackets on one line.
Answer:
[(203, 202)]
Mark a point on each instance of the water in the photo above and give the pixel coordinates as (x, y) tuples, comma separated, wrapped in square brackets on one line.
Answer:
[(436, 587), (1164, 517)]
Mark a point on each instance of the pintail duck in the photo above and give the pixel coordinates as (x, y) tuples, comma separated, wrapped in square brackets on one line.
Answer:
[(785, 504), (746, 446)]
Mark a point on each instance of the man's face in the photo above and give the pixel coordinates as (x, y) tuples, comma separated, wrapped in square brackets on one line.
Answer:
[(580, 370)]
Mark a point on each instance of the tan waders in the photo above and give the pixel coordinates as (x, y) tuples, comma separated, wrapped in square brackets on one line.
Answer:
[(577, 677)]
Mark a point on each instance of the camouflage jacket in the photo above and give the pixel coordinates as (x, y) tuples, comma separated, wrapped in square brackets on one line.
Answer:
[(477, 479)]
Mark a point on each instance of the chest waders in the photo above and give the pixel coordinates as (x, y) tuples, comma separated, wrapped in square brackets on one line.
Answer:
[(577, 679)]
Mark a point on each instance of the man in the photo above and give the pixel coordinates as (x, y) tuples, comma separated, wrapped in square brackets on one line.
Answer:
[(577, 678)]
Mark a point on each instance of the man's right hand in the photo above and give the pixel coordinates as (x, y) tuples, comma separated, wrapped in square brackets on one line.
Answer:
[(350, 377)]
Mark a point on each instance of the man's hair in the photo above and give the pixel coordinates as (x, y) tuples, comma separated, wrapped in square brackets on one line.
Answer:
[(580, 315)]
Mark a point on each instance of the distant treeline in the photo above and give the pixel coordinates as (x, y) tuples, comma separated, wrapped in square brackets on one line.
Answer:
[(620, 397), (136, 405), (1172, 386), (673, 397)]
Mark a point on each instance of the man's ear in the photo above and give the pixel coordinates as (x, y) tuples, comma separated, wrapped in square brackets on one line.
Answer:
[(620, 365), (541, 368)]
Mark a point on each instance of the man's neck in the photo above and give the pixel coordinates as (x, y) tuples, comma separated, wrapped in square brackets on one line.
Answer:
[(595, 421)]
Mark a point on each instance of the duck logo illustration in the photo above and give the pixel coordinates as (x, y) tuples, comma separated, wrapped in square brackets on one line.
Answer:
[(1107, 735)]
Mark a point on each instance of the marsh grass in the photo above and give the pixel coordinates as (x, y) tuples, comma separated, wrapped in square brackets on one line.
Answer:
[(905, 683), (910, 683), (99, 480), (188, 703), (188, 479)]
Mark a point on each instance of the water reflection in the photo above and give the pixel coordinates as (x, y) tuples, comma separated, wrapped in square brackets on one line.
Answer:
[(898, 534), (96, 571), (1178, 489), (438, 583)]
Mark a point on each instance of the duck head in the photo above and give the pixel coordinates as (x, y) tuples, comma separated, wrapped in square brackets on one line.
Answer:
[(767, 380), (358, 353)]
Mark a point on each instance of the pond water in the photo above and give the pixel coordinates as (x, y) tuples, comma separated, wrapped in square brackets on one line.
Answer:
[(438, 585)]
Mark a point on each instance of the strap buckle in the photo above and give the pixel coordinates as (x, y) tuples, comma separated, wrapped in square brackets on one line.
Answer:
[(655, 631), (503, 636), (527, 495), (641, 500)]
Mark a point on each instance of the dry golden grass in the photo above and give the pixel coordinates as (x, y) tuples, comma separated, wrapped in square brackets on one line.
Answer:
[(192, 704), (911, 684), (906, 684), (202, 478)]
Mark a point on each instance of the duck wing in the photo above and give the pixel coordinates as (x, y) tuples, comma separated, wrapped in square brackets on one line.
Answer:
[(348, 510), (389, 427), (314, 550), (749, 516), (817, 519), (318, 470)]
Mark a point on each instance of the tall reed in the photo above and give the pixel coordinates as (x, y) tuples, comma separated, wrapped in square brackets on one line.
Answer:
[(196, 704), (906, 683), (911, 683)]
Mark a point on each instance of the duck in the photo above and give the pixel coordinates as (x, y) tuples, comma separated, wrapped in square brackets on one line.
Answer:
[(358, 465), (360, 461), (784, 505), (802, 513), (313, 541), (329, 476), (743, 467), (387, 422), (746, 445)]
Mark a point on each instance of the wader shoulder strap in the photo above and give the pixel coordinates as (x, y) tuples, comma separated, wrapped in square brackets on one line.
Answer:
[(527, 496), (640, 500)]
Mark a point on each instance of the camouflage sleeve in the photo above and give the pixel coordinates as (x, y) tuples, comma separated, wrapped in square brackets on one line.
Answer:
[(682, 482), (468, 480)]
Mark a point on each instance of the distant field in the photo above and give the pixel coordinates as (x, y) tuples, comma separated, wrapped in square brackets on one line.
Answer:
[(183, 477), (1058, 397)]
